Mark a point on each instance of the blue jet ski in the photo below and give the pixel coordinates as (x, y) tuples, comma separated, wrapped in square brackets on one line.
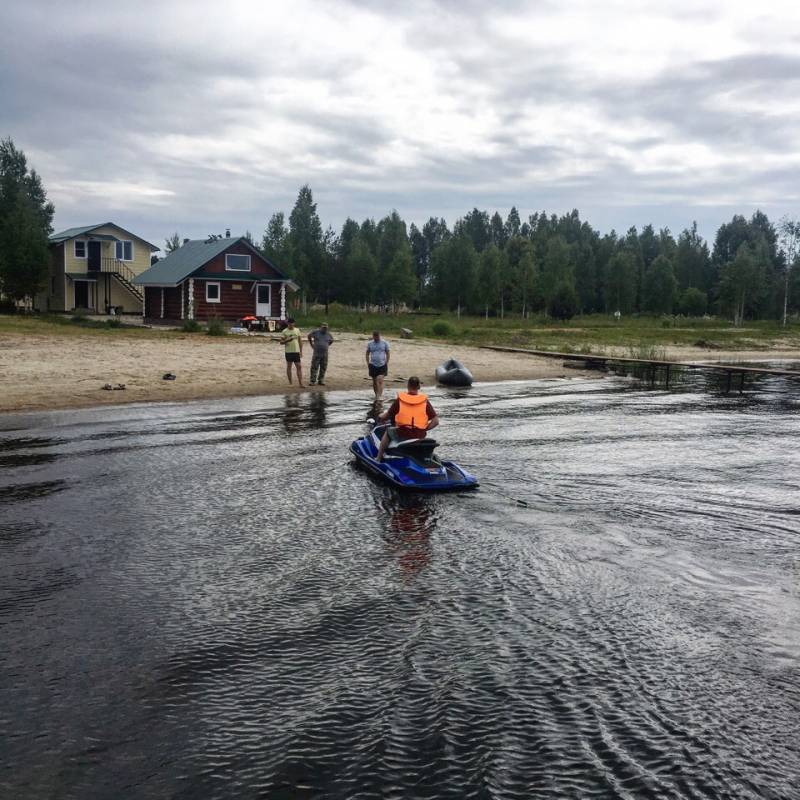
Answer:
[(410, 464)]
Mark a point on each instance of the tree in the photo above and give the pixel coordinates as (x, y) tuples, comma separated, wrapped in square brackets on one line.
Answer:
[(558, 267), (489, 277), (454, 270), (563, 303), (399, 279), (26, 219), (693, 302), (362, 267), (275, 243), (619, 290), (476, 227), (305, 242), (692, 261), (789, 233), (172, 243), (660, 287), (741, 279), (24, 250), (512, 223)]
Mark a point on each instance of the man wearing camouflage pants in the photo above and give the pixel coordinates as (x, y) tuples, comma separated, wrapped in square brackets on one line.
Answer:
[(320, 340)]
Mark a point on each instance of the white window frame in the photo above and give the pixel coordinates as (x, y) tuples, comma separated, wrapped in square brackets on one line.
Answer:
[(123, 242), (237, 269), (219, 292), (75, 244)]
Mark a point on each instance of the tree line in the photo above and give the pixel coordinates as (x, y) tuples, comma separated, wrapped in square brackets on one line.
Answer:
[(483, 264), (560, 265)]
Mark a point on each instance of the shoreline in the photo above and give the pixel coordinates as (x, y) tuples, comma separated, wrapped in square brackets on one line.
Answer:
[(45, 373), (38, 373)]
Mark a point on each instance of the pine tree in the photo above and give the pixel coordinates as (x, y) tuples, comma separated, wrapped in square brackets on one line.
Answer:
[(26, 219)]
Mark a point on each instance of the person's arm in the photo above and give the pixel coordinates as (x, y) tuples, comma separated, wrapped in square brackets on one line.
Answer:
[(311, 338), (387, 354), (367, 356), (433, 417), (390, 412), (300, 344)]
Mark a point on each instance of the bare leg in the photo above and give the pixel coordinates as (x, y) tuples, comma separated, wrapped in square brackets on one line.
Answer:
[(289, 370), (298, 367), (383, 445), (379, 386)]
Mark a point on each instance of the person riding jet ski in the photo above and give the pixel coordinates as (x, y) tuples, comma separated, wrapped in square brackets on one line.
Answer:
[(412, 417)]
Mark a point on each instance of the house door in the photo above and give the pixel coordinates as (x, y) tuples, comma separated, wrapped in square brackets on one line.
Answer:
[(93, 257), (263, 300), (81, 294)]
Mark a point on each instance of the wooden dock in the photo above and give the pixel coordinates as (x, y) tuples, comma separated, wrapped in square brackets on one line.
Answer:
[(597, 361)]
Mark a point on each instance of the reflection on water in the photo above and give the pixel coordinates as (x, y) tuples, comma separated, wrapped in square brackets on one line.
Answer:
[(410, 525), (208, 600)]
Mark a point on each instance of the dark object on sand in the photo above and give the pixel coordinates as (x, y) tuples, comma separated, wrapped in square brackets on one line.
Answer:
[(410, 464), (453, 373), (168, 376)]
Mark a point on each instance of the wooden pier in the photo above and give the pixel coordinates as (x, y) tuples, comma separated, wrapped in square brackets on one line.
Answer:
[(596, 361)]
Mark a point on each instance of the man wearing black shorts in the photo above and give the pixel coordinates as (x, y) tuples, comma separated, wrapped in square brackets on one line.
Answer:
[(377, 362), (293, 341)]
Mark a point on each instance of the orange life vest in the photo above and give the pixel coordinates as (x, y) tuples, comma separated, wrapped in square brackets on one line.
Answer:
[(412, 412)]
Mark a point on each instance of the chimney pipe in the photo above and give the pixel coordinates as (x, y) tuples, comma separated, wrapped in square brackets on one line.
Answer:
[(185, 241), (227, 233)]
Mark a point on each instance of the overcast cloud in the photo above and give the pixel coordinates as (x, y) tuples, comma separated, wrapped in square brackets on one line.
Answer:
[(196, 116)]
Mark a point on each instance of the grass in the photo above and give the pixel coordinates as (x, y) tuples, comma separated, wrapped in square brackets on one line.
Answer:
[(595, 334), (590, 334)]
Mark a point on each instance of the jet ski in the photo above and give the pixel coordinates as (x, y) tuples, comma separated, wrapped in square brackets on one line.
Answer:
[(410, 464), (453, 373)]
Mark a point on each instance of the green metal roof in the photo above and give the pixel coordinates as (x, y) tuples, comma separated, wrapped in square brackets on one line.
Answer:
[(71, 233), (189, 258)]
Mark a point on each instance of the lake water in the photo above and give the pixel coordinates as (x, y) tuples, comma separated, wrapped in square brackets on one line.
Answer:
[(209, 600)]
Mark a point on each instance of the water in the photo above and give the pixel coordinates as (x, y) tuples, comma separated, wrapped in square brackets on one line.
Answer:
[(209, 600)]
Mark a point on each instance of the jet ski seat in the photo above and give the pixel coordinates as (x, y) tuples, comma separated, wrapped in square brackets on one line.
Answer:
[(421, 449)]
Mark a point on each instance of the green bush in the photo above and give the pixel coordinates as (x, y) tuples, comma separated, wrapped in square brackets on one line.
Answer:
[(564, 302), (7, 306), (693, 302), (113, 323), (215, 327), (190, 326), (441, 328)]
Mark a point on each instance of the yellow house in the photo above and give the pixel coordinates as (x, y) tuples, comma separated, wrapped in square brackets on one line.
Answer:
[(92, 269)]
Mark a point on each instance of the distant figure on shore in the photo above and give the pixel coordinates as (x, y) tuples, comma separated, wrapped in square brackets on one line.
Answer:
[(377, 361), (292, 339), (320, 340)]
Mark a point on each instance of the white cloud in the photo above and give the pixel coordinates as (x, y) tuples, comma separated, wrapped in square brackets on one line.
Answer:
[(211, 114)]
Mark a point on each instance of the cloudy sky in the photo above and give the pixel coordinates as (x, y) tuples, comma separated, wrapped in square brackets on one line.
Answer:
[(196, 116)]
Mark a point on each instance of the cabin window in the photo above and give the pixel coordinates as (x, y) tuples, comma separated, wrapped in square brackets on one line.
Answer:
[(124, 251), (237, 263), (213, 293), (80, 248)]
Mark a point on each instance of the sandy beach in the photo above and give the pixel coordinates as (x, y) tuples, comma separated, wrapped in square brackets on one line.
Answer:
[(40, 372), (43, 372)]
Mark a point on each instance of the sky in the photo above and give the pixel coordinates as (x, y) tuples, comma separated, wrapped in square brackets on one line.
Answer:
[(197, 116)]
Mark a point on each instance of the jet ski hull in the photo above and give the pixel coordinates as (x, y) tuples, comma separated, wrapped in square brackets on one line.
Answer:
[(410, 472)]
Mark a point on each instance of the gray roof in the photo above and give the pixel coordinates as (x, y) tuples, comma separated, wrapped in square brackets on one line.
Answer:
[(189, 258), (71, 233)]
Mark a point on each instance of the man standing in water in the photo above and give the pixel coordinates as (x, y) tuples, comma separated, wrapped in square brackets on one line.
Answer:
[(293, 341), (412, 416), (320, 340), (377, 362)]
